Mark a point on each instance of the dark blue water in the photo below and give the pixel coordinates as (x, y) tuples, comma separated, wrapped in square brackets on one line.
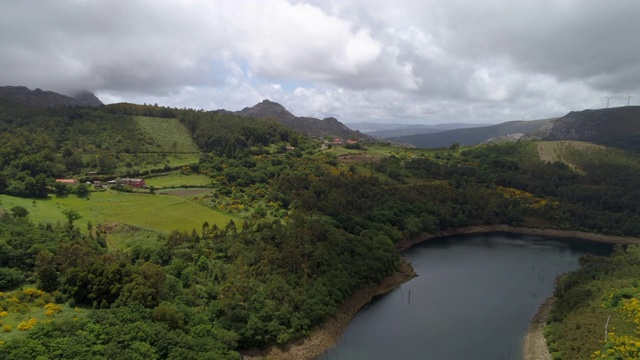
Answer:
[(473, 299)]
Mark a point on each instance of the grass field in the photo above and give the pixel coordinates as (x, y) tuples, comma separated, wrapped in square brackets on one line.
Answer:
[(552, 151), (165, 134), (161, 213), (177, 179), (124, 237)]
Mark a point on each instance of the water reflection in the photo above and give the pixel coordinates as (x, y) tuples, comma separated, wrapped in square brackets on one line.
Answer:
[(473, 299)]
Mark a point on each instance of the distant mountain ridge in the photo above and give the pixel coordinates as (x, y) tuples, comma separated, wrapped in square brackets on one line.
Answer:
[(614, 127), (41, 98), (617, 127), (470, 136), (307, 125), (416, 129)]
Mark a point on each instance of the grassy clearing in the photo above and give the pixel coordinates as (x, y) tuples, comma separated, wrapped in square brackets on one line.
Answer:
[(161, 213), (124, 238), (177, 179), (189, 193), (552, 151), (383, 151), (22, 310), (182, 159), (168, 135)]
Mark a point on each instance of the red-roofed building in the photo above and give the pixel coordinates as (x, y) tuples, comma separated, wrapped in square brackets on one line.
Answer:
[(136, 183)]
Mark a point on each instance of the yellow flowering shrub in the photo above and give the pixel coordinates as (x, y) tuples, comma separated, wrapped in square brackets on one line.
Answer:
[(52, 309), (623, 347), (27, 325), (33, 292)]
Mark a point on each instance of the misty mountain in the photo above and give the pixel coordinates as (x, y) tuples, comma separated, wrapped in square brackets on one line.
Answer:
[(41, 98), (470, 136), (307, 125)]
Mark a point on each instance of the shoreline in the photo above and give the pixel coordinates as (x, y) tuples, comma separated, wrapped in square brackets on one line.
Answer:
[(321, 339), (535, 344)]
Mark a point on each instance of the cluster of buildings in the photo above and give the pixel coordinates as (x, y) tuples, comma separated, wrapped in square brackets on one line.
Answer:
[(134, 183)]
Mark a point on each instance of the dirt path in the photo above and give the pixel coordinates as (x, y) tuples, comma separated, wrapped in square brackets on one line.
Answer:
[(535, 345)]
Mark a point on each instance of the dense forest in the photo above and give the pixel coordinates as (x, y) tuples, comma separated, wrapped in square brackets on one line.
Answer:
[(314, 230)]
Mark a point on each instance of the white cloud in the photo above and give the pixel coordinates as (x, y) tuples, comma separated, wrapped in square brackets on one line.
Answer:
[(407, 60)]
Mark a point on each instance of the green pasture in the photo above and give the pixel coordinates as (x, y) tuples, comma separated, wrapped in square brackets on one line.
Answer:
[(124, 237), (178, 179), (168, 135), (162, 213)]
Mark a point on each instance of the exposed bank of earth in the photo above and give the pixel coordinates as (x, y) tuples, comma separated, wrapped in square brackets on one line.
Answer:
[(535, 345), (323, 338)]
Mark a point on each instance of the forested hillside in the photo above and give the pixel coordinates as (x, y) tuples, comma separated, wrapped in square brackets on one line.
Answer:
[(314, 227)]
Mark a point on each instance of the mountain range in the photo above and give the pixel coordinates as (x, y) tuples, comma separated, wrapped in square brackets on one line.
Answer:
[(469, 136), (617, 127), (311, 126), (41, 98)]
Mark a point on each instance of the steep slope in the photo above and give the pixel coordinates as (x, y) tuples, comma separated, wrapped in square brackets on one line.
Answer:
[(308, 125), (616, 127), (41, 98), (470, 136)]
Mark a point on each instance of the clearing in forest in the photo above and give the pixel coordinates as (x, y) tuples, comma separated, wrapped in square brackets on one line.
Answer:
[(166, 135), (552, 151)]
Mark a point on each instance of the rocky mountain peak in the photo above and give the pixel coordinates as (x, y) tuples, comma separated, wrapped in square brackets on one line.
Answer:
[(308, 125)]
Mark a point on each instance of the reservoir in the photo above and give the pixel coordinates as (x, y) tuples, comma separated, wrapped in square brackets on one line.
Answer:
[(473, 299)]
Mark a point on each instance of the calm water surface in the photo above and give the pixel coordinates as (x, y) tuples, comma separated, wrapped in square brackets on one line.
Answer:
[(473, 299)]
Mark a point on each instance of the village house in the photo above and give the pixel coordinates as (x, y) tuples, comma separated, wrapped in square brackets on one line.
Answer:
[(337, 141), (134, 183)]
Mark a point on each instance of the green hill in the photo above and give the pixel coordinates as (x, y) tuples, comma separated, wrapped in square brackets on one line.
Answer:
[(166, 135)]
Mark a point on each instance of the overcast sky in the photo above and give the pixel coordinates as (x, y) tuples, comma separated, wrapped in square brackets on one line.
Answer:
[(410, 61)]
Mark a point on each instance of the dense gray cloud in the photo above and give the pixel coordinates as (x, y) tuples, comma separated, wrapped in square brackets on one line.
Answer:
[(373, 60)]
